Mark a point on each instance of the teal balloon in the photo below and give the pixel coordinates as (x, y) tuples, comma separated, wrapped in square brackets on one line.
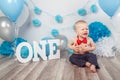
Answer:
[(12, 8), (109, 6), (63, 42)]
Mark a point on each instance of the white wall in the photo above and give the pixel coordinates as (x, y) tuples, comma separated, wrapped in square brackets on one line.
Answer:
[(67, 9)]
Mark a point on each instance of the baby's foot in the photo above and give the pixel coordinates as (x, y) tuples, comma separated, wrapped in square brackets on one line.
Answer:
[(88, 64), (92, 68)]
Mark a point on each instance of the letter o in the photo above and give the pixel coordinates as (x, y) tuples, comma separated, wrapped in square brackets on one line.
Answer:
[(18, 53)]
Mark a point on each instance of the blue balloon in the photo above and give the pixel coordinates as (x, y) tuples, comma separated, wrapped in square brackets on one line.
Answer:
[(109, 6), (12, 8)]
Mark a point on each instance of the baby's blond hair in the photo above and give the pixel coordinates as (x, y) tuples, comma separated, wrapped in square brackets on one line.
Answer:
[(79, 21)]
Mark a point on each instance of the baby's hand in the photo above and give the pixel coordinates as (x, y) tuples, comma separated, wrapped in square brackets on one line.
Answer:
[(84, 47), (76, 49)]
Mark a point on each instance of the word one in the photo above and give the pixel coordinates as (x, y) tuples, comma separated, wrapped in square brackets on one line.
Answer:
[(37, 50)]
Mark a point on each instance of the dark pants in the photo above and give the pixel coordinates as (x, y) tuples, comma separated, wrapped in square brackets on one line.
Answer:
[(81, 59)]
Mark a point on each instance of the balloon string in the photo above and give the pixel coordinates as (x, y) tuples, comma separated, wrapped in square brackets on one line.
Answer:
[(63, 15), (32, 3), (114, 35), (16, 34), (86, 4)]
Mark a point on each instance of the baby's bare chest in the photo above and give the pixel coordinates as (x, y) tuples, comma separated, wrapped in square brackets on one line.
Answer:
[(84, 45)]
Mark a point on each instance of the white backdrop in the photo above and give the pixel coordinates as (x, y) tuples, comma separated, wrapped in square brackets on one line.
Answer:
[(64, 8), (51, 8)]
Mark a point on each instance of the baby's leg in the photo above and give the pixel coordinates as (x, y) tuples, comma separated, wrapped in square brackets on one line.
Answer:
[(92, 68), (92, 59), (88, 64), (77, 60)]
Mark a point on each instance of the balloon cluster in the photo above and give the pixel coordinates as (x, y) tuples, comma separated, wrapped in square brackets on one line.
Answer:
[(98, 30), (13, 19), (12, 10)]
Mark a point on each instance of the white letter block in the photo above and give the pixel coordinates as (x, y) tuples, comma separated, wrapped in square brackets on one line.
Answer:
[(38, 50), (52, 48), (18, 54)]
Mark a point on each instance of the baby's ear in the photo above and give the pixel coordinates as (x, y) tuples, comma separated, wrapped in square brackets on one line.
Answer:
[(77, 34), (76, 30)]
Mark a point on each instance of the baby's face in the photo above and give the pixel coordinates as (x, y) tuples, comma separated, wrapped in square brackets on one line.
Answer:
[(82, 30)]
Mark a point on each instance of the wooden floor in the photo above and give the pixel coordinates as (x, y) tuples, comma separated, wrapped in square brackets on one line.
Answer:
[(59, 69)]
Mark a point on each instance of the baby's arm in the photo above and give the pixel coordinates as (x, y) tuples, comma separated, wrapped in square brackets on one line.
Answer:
[(90, 47), (73, 46)]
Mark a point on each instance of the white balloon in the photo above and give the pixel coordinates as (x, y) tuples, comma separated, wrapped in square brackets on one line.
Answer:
[(24, 17), (116, 21), (116, 26), (63, 41), (1, 13)]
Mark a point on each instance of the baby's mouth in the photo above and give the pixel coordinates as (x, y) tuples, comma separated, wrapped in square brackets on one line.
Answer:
[(85, 33)]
